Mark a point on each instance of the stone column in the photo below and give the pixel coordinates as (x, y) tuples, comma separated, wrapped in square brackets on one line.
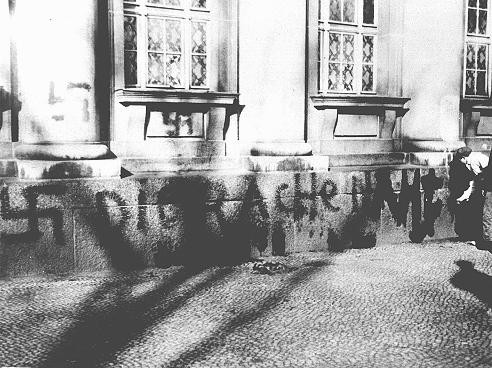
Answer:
[(5, 86), (55, 44), (432, 73), (272, 68)]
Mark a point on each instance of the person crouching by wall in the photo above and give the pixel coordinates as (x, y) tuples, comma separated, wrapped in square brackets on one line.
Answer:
[(486, 240), (465, 184)]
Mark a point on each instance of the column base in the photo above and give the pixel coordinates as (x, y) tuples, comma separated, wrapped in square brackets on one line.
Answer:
[(65, 161), (431, 145)]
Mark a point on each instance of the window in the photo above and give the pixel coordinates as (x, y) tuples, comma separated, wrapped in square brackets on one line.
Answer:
[(347, 43), (477, 44), (166, 43)]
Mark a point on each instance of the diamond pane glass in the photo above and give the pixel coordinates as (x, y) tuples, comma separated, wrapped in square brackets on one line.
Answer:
[(156, 34), (130, 66), (482, 4), (349, 11), (334, 41), (472, 3), (335, 10), (368, 12), (156, 69), (199, 37), (202, 4), (199, 71), (130, 24), (333, 76), (482, 22), (348, 77), (173, 70), (173, 35), (348, 48), (367, 78), (482, 57), (470, 82), (481, 85), (173, 3), (367, 49), (470, 56), (472, 21)]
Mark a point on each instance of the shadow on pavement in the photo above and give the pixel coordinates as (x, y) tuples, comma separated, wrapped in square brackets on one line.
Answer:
[(469, 279), (111, 318), (219, 337)]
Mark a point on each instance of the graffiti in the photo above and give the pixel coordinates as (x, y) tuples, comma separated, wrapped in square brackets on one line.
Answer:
[(142, 223), (300, 208), (104, 200), (32, 213), (410, 194), (200, 218)]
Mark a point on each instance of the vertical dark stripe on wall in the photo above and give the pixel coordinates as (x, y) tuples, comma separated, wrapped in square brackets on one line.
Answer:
[(306, 72), (103, 72), (14, 82)]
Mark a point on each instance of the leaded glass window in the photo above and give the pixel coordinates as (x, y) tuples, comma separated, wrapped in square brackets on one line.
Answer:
[(476, 54), (166, 43), (347, 46)]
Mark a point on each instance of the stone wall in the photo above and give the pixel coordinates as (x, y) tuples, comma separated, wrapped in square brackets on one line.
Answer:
[(211, 217)]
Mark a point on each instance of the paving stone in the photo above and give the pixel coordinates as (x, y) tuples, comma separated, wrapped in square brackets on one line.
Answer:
[(400, 305)]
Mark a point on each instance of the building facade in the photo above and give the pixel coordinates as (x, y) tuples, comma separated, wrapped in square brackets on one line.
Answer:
[(210, 129)]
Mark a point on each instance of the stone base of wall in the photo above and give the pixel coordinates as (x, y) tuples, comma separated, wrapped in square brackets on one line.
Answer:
[(71, 226)]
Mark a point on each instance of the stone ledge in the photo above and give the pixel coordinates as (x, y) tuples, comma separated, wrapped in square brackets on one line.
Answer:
[(431, 146), (280, 149), (43, 169), (369, 160), (62, 151), (8, 168), (430, 158), (479, 143), (291, 163), (176, 164)]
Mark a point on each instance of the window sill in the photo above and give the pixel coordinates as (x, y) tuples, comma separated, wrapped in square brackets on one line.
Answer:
[(473, 109), (364, 102), (128, 97), (476, 104)]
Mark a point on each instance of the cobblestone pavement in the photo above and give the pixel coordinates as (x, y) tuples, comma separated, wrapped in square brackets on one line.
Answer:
[(408, 305)]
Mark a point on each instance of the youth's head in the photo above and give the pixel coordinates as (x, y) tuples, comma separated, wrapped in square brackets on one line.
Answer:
[(463, 153)]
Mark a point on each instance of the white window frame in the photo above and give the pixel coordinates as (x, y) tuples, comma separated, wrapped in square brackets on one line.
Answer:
[(477, 39), (143, 11), (358, 29)]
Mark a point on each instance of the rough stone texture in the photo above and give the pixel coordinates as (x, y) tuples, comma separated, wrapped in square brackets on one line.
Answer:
[(8, 168), (36, 242), (6, 150), (181, 164), (62, 151), (479, 143), (430, 158), (166, 148), (215, 217), (42, 169), (280, 149), (292, 163), (371, 159), (405, 305)]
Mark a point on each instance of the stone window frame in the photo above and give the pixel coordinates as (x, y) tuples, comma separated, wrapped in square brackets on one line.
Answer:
[(479, 39), (143, 11), (385, 102), (356, 28), (218, 101)]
